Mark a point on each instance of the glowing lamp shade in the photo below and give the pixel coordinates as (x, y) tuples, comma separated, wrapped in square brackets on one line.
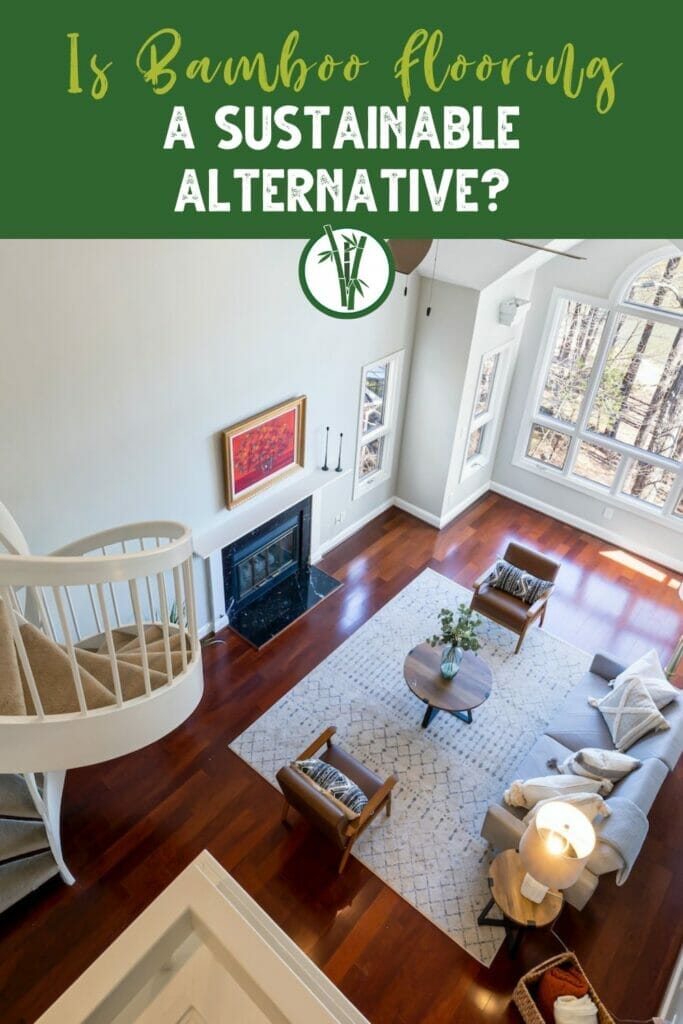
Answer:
[(556, 845)]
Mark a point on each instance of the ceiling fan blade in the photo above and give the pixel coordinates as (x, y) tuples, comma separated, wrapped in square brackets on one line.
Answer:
[(408, 253), (545, 248)]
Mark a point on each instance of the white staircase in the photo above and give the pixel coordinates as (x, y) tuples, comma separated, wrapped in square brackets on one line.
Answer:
[(99, 656)]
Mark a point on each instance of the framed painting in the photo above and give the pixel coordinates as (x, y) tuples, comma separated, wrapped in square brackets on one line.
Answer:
[(263, 449)]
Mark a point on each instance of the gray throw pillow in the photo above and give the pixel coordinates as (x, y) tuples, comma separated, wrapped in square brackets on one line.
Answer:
[(607, 766), (513, 580), (629, 713)]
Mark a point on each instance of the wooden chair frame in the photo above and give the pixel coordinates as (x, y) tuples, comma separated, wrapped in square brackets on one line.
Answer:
[(356, 827), (536, 610)]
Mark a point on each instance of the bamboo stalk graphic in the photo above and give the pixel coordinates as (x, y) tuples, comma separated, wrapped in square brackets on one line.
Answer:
[(338, 263), (347, 268), (353, 285)]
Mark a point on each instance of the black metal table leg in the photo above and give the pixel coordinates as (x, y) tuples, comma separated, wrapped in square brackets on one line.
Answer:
[(513, 932), (429, 714), (464, 716)]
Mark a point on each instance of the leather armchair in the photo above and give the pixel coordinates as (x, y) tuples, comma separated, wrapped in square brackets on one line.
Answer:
[(507, 610), (323, 811)]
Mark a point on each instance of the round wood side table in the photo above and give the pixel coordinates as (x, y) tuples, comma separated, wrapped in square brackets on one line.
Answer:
[(505, 879)]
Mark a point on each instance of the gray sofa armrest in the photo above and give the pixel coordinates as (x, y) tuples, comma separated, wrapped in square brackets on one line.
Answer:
[(501, 829), (604, 665)]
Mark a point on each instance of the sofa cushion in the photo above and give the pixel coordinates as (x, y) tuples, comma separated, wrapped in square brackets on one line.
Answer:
[(535, 763), (642, 785), (577, 725), (630, 713)]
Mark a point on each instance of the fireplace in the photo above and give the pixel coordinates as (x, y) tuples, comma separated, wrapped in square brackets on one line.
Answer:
[(268, 579)]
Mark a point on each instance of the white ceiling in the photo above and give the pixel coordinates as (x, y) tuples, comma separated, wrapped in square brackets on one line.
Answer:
[(478, 262)]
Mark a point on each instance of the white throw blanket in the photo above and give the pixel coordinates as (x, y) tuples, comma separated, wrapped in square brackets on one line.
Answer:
[(624, 831), (570, 1010)]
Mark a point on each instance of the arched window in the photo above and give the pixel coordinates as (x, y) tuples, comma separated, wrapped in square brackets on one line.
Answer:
[(608, 410)]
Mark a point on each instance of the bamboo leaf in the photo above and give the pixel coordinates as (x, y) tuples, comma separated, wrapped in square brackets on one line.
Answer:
[(325, 256)]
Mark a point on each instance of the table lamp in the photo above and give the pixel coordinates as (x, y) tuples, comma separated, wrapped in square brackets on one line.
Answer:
[(554, 849)]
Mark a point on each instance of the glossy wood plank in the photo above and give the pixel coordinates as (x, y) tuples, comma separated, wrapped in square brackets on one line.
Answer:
[(131, 825)]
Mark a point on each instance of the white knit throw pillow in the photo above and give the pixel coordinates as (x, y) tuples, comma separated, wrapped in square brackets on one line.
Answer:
[(527, 794), (629, 713), (649, 670)]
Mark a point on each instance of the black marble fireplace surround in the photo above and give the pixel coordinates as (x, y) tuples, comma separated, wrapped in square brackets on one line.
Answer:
[(268, 577)]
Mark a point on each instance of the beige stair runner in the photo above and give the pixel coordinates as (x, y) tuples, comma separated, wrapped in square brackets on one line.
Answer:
[(52, 671)]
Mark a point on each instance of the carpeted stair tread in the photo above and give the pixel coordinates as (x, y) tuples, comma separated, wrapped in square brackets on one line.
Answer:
[(51, 668), (18, 878), (21, 837), (15, 799), (131, 675), (155, 661)]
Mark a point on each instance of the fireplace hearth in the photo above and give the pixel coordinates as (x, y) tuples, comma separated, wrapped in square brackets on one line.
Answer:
[(268, 580)]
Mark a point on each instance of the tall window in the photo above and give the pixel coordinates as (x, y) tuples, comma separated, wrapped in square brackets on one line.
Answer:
[(485, 412), (380, 390), (608, 415)]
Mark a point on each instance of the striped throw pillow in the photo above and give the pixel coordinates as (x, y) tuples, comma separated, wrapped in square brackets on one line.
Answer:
[(334, 782), (513, 580)]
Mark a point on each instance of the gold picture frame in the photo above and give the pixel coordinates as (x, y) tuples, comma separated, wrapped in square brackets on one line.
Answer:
[(263, 449)]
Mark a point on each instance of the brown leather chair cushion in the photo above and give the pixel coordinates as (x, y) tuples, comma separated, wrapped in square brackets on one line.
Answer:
[(538, 565), (504, 608), (353, 769)]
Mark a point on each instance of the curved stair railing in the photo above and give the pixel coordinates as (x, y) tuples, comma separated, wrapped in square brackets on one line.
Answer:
[(99, 656)]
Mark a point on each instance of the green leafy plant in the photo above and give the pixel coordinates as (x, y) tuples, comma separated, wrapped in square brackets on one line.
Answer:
[(460, 632)]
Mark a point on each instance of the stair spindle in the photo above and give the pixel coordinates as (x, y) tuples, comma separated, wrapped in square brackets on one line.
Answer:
[(181, 623), (191, 612), (73, 613), (135, 600), (111, 650), (165, 624), (70, 650)]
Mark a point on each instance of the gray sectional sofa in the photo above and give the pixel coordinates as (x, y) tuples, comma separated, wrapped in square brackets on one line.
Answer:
[(578, 725)]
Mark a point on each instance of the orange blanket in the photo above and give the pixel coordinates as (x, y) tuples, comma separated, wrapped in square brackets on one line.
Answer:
[(559, 981)]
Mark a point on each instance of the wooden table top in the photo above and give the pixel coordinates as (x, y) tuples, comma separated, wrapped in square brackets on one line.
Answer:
[(506, 874), (468, 688)]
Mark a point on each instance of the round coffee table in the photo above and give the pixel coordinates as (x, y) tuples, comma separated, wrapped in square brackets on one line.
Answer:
[(506, 875), (468, 688)]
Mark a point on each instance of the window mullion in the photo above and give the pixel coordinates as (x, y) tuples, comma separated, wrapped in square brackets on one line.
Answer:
[(597, 372)]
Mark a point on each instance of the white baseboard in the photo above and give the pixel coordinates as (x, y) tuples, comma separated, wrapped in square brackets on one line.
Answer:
[(652, 554), (419, 513), (349, 531), (463, 505)]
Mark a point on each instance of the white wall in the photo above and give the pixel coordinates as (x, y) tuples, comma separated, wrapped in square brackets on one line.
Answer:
[(597, 276), (123, 360), (440, 358), (488, 334)]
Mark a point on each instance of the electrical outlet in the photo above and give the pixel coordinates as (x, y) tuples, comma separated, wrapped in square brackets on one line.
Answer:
[(607, 512), (339, 518)]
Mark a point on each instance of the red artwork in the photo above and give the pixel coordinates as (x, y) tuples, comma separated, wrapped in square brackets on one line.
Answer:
[(263, 450)]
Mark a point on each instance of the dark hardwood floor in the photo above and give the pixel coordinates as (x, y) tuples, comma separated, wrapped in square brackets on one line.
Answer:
[(131, 825)]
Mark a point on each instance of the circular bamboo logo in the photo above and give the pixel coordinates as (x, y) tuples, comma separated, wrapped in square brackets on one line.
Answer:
[(346, 272)]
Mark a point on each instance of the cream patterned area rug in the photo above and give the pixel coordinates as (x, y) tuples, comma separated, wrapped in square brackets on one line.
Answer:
[(430, 850)]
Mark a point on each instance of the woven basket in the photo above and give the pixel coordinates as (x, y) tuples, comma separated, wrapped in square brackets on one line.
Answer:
[(523, 996)]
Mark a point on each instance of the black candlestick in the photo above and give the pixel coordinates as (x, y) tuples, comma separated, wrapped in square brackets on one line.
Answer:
[(327, 442), (339, 466)]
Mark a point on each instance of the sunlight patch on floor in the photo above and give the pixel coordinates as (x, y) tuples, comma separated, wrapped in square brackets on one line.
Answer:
[(636, 564)]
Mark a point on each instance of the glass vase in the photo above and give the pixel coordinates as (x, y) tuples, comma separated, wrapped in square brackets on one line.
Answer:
[(450, 661)]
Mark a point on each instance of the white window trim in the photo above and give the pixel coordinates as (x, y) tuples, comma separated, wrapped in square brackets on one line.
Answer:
[(490, 418), (387, 430), (578, 432)]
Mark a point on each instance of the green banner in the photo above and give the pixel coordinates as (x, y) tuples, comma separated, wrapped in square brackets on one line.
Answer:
[(270, 120)]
